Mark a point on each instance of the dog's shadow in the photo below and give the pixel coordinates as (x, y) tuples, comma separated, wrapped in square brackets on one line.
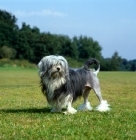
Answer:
[(26, 110)]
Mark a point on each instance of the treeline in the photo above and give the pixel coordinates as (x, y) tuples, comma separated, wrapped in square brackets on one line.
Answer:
[(28, 43)]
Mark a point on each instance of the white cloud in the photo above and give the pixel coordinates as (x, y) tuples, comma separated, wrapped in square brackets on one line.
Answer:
[(40, 13)]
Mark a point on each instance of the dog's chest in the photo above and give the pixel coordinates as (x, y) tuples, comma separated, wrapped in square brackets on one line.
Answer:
[(52, 85)]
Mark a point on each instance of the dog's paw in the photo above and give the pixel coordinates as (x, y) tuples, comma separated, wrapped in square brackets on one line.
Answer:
[(70, 111), (103, 107), (85, 107)]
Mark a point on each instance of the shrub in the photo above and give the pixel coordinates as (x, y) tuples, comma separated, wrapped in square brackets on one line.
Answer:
[(7, 52)]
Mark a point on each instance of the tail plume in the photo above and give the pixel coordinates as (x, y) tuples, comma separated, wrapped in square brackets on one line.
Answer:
[(91, 61)]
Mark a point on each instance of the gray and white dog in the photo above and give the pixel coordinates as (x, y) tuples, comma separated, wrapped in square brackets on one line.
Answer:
[(62, 85)]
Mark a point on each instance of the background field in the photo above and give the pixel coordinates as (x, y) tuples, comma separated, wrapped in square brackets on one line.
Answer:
[(24, 113)]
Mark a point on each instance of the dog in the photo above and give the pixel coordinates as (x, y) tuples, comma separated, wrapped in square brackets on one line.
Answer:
[(63, 85)]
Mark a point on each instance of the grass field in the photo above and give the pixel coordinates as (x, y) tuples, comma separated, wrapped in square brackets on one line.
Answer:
[(24, 114)]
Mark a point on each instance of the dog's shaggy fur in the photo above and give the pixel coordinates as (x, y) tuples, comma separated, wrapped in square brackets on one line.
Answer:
[(62, 85)]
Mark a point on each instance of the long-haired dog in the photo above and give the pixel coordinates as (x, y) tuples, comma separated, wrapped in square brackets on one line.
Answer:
[(62, 85)]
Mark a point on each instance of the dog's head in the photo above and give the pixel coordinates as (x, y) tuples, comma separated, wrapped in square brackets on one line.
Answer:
[(53, 67)]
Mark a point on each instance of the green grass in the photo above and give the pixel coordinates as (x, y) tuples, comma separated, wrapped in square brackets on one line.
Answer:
[(24, 114)]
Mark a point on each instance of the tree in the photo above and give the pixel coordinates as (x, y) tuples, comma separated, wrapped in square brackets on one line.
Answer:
[(8, 29), (106, 64), (30, 44), (115, 61), (87, 47), (69, 47), (133, 67), (8, 19)]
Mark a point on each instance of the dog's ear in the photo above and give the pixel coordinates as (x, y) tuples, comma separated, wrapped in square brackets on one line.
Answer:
[(66, 69), (41, 68)]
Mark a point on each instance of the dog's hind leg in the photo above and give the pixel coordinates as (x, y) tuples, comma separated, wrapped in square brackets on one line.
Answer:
[(103, 106), (86, 105)]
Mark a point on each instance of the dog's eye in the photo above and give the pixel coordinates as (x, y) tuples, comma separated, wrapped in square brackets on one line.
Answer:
[(50, 66), (60, 64)]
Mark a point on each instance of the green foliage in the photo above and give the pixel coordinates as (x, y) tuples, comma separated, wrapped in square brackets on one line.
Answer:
[(8, 28), (111, 64), (7, 18), (133, 67), (87, 47), (115, 61), (75, 63), (5, 63), (6, 52), (28, 43), (32, 45), (69, 47), (128, 65), (24, 112)]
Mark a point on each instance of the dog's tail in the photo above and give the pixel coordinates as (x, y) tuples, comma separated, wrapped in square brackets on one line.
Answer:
[(89, 62)]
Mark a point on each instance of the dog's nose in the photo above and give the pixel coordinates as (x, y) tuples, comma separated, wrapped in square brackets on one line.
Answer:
[(58, 68)]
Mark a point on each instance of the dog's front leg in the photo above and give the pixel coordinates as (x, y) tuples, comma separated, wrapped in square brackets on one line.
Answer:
[(70, 109)]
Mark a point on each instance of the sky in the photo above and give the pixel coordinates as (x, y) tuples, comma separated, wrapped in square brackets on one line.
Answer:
[(110, 22)]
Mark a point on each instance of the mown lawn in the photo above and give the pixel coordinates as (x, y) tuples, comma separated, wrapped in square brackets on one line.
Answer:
[(25, 115)]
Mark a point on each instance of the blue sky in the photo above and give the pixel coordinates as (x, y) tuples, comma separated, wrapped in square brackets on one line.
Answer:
[(110, 22)]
